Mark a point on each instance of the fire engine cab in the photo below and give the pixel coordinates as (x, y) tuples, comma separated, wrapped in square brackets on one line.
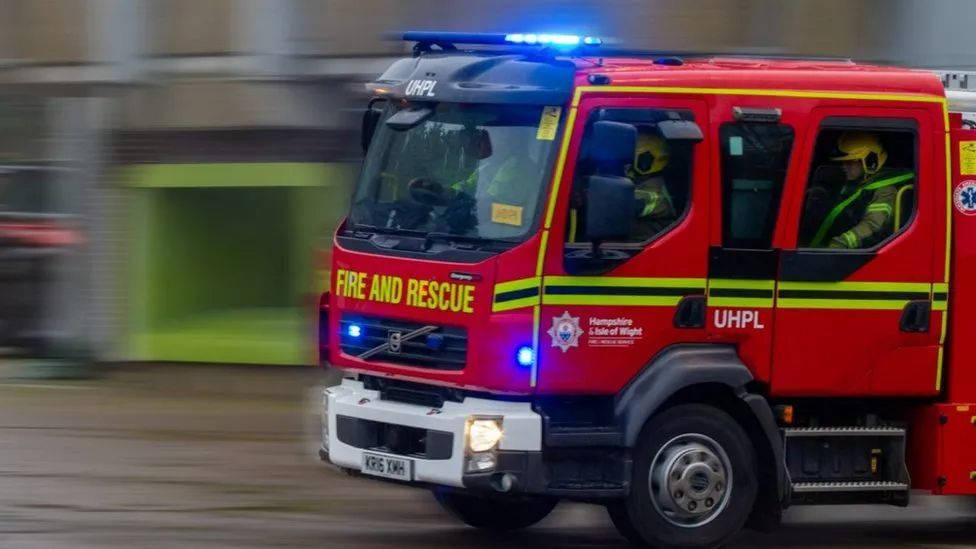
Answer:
[(628, 278)]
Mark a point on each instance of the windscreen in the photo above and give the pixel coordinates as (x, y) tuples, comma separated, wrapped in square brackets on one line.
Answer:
[(478, 171)]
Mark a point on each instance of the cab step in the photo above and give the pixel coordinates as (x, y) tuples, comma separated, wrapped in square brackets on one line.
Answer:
[(798, 432), (847, 464), (835, 487)]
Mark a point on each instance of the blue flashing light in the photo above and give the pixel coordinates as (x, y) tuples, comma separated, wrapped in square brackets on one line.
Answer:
[(354, 330), (525, 356), (564, 41), (558, 40), (435, 342)]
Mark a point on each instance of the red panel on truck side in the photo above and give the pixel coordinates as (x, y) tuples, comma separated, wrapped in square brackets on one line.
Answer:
[(941, 456), (960, 365)]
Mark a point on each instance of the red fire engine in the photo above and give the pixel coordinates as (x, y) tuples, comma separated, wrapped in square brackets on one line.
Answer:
[(695, 289)]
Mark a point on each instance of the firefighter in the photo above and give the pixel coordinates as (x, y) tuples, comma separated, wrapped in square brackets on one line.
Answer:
[(655, 210), (497, 176), (497, 184), (484, 165), (863, 212)]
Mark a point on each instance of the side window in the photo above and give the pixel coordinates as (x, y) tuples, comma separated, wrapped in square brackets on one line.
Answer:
[(755, 157), (861, 190), (658, 167)]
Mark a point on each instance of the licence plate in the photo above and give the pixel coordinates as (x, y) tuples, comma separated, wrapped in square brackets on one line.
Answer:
[(387, 467)]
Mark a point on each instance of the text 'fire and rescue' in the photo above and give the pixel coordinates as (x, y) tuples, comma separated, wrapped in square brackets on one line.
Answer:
[(423, 294)]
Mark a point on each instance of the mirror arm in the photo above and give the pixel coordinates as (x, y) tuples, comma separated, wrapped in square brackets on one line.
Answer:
[(366, 134)]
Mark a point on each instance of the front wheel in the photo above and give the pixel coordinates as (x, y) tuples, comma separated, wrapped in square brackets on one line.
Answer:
[(495, 514), (693, 484)]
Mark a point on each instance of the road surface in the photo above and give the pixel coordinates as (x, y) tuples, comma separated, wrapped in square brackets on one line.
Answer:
[(225, 457)]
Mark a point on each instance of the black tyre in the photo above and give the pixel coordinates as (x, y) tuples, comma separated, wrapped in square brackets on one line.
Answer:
[(694, 481), (495, 514)]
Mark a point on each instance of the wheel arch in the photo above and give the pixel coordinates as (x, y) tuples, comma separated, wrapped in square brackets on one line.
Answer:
[(714, 375)]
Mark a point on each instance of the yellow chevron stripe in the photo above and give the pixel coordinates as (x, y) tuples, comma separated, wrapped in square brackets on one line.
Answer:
[(514, 304), (520, 284), (859, 286), (611, 282), (848, 304), (733, 284), (614, 300), (741, 302)]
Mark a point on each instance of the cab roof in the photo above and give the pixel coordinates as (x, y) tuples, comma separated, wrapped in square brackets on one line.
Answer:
[(546, 68), (753, 73)]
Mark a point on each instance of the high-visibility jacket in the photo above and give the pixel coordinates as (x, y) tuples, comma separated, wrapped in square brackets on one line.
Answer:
[(509, 184), (864, 214), (657, 212)]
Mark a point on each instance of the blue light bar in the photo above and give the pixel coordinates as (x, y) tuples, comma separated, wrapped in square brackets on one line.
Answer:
[(494, 39), (355, 330), (559, 40)]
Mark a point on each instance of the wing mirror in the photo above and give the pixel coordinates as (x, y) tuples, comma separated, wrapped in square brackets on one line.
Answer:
[(609, 203)]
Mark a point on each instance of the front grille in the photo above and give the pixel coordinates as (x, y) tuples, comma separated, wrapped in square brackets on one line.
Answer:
[(389, 438), (412, 393), (443, 348)]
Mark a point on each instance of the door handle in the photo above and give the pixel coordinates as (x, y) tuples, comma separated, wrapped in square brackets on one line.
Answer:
[(916, 316), (690, 312)]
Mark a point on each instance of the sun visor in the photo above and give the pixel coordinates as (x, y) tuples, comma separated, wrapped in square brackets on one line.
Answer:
[(474, 78)]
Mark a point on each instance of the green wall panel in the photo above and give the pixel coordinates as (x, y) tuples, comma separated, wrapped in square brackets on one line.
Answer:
[(267, 174), (225, 271)]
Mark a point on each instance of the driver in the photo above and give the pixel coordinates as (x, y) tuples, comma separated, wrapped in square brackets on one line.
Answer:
[(497, 176), (494, 191)]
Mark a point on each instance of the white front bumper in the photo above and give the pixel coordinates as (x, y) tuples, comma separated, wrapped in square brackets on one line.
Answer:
[(521, 425)]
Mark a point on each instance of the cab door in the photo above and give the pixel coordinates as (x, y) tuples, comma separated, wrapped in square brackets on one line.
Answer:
[(605, 315), (756, 141), (860, 321)]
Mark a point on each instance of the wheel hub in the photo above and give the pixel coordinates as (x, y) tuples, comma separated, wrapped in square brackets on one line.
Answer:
[(690, 480)]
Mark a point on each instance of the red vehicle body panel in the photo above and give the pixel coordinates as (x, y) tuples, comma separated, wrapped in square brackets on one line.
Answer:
[(834, 352), (943, 436), (941, 457), (493, 338), (960, 379), (802, 352), (681, 253)]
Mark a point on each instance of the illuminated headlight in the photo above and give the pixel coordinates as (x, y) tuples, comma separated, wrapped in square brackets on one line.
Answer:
[(484, 434)]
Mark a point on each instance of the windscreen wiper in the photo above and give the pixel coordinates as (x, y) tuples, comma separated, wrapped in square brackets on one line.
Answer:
[(387, 230), (470, 241)]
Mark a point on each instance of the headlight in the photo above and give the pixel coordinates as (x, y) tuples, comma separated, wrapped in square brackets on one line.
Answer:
[(484, 434)]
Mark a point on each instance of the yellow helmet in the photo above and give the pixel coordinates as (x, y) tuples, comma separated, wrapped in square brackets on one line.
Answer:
[(651, 154), (863, 146)]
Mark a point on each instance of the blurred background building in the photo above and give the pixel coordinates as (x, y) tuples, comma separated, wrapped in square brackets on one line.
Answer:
[(195, 155)]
